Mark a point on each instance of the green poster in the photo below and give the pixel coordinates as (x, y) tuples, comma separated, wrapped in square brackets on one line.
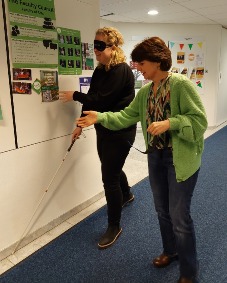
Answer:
[(36, 86), (36, 8), (49, 85), (89, 64), (69, 52), (1, 117), (33, 33)]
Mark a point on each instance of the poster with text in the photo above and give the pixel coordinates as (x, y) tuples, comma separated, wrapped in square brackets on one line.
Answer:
[(87, 56), (85, 84), (33, 34), (188, 59), (49, 85), (69, 52)]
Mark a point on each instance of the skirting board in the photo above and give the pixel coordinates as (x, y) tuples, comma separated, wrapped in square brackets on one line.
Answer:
[(54, 223)]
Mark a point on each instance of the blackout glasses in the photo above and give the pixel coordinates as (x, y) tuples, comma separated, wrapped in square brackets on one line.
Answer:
[(100, 45)]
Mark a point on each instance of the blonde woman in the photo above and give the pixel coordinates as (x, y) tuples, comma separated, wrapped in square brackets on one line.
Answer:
[(111, 89)]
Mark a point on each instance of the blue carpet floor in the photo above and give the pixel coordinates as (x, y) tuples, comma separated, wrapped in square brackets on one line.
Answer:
[(74, 257)]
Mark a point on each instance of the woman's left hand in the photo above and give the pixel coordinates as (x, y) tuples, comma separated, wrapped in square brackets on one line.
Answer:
[(157, 128)]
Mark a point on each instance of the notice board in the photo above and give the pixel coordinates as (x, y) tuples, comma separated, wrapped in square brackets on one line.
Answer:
[(37, 120)]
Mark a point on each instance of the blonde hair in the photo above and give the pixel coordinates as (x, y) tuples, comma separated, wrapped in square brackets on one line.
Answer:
[(114, 38)]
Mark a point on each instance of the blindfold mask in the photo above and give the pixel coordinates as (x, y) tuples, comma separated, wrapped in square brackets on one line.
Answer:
[(100, 45)]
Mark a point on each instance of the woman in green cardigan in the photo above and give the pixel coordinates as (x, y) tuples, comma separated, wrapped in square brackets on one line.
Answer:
[(173, 121)]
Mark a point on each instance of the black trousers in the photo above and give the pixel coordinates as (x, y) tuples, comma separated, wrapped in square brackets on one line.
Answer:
[(113, 149)]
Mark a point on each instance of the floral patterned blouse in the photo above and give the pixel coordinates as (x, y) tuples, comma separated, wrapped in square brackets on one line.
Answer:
[(158, 109)]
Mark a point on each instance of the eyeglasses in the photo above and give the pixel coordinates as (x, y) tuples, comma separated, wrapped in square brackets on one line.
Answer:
[(100, 45), (150, 148)]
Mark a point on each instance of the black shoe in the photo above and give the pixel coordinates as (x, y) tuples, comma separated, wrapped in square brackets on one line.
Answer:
[(110, 236), (127, 199)]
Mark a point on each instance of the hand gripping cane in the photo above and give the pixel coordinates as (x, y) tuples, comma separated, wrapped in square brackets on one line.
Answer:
[(38, 205)]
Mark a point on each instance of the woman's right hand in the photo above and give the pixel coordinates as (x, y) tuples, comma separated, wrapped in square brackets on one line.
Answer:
[(76, 133), (66, 96), (88, 120)]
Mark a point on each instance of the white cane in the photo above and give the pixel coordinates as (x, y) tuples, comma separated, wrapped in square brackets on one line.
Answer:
[(24, 233)]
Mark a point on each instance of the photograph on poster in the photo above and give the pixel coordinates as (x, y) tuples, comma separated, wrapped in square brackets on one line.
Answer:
[(184, 71), (22, 74), (63, 63), (61, 51), (61, 38), (191, 57), (180, 57), (199, 72), (22, 88), (192, 76), (69, 39), (70, 64), (77, 52), (76, 40), (175, 70), (70, 51)]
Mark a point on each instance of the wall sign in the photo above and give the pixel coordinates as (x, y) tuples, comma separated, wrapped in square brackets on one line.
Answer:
[(33, 33), (69, 52)]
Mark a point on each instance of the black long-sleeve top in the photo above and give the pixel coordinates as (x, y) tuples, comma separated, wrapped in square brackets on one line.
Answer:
[(110, 90)]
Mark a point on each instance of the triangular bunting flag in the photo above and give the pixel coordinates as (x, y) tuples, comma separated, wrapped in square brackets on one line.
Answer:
[(171, 44), (181, 46), (190, 46), (200, 44), (199, 84)]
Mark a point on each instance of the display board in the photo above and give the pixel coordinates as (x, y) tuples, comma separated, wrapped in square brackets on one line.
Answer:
[(188, 58), (39, 115)]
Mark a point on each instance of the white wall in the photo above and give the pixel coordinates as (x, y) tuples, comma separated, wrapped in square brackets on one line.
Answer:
[(222, 94), (215, 38), (26, 172)]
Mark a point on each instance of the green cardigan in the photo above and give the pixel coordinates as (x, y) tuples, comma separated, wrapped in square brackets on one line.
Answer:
[(188, 123)]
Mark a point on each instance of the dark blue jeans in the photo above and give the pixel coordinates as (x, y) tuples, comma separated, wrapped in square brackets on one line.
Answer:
[(113, 149), (172, 201)]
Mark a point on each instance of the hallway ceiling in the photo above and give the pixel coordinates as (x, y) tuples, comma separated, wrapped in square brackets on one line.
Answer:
[(170, 11)]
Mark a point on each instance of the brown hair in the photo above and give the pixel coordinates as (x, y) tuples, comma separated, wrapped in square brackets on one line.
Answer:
[(114, 38), (153, 49)]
